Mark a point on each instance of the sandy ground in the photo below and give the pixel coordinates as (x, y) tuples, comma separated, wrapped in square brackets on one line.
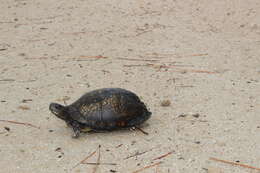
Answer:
[(202, 56)]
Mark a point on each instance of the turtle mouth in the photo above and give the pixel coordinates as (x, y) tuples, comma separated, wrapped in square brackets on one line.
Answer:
[(54, 112)]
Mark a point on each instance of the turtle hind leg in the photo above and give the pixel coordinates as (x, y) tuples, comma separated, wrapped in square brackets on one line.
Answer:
[(141, 130), (134, 128), (138, 128)]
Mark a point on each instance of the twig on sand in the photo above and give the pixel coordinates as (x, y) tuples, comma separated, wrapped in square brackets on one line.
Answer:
[(146, 167), (98, 160), (37, 58), (119, 145), (93, 163), (143, 32), (171, 66), (159, 66), (73, 33), (233, 163), (96, 57), (6, 22), (202, 71), (136, 65), (89, 58), (7, 80), (162, 156), (47, 18), (23, 107), (184, 86), (180, 70), (155, 65), (85, 159), (15, 122), (138, 154), (26, 100), (200, 54), (132, 59), (174, 54)]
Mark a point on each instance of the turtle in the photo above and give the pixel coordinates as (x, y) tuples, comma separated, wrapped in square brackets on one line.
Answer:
[(104, 109)]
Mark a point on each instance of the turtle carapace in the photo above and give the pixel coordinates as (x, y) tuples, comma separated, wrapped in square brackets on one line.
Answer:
[(103, 110)]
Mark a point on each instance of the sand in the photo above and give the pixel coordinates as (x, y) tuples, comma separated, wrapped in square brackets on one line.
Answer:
[(201, 57)]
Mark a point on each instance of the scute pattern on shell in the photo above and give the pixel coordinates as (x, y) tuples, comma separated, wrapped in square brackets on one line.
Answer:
[(109, 108), (113, 101)]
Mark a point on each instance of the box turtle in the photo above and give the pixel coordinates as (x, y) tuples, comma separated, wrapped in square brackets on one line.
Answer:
[(103, 110)]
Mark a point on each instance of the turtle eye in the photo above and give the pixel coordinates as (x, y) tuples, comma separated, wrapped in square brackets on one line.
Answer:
[(57, 107)]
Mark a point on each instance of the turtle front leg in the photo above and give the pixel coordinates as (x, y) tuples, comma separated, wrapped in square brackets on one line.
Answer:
[(76, 129)]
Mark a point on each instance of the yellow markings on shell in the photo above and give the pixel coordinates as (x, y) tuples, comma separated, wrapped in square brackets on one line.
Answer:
[(113, 101), (85, 109), (86, 129)]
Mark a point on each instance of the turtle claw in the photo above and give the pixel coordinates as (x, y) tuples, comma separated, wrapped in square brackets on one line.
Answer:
[(138, 128), (75, 134), (76, 129), (132, 128)]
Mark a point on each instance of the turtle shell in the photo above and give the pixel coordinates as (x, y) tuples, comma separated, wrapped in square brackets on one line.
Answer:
[(109, 108)]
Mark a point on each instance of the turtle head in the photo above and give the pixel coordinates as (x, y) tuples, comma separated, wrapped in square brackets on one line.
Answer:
[(59, 110)]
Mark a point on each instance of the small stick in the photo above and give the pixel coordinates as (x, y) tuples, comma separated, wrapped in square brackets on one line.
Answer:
[(24, 107), (37, 58), (7, 80), (194, 71), (138, 154), (132, 59), (35, 41), (118, 145), (184, 86), (166, 66), (165, 155), (7, 22), (171, 66), (184, 70), (202, 54), (146, 167), (51, 17), (202, 71), (97, 57), (105, 71), (98, 160), (86, 158), (156, 66), (73, 33), (157, 169), (93, 163), (15, 122), (141, 130), (135, 65), (169, 54), (26, 100), (89, 58), (233, 163), (143, 32)]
